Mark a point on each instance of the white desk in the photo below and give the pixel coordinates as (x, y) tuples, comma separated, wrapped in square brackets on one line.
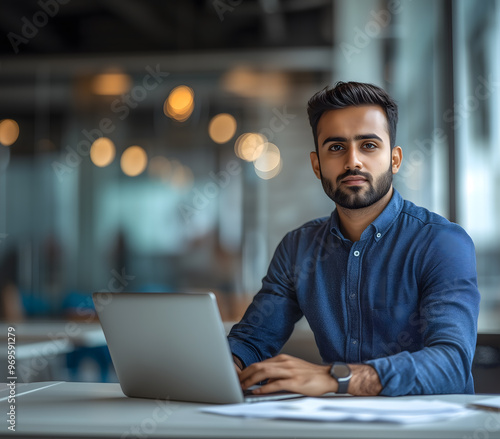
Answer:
[(39, 344), (59, 333), (92, 410)]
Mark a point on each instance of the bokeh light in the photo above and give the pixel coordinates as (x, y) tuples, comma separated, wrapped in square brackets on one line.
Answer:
[(268, 164), (111, 84), (270, 174), (222, 128), (249, 146), (160, 167), (134, 161), (182, 176), (9, 132), (250, 83), (102, 152), (180, 103)]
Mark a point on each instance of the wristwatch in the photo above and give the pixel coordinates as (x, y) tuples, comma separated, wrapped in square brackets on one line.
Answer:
[(342, 373)]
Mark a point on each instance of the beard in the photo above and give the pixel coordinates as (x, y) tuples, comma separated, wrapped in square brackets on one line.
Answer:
[(358, 197)]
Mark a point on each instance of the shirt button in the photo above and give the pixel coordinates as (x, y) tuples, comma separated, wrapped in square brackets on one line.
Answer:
[(379, 235), (352, 295), (355, 342), (356, 253)]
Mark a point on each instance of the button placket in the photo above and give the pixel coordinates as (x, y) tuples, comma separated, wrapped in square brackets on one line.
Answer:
[(354, 313)]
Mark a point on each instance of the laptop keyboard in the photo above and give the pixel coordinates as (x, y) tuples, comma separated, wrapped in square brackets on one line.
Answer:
[(250, 397)]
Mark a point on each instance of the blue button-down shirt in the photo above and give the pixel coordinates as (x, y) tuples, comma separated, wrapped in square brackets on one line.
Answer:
[(403, 299)]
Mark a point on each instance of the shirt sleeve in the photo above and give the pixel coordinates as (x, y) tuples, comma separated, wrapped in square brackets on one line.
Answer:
[(449, 307), (269, 320)]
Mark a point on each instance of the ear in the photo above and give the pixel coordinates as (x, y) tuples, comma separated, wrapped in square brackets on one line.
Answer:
[(315, 164), (397, 158)]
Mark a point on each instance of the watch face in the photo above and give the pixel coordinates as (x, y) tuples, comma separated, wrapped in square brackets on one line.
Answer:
[(341, 370)]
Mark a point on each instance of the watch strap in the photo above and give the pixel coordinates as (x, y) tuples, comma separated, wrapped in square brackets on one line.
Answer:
[(343, 385), (343, 382)]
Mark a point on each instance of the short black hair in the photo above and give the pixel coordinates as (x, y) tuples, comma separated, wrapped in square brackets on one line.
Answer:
[(352, 94)]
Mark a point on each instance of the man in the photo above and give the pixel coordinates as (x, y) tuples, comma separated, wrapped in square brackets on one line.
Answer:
[(388, 288)]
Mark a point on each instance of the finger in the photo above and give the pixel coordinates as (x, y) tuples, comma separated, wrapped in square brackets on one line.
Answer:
[(290, 385), (260, 374), (274, 386), (250, 370), (278, 367), (269, 364), (253, 379), (270, 369)]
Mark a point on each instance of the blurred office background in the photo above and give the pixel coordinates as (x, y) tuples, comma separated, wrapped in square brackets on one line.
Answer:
[(178, 193)]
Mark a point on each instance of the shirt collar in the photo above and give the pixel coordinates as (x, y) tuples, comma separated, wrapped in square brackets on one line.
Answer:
[(379, 227)]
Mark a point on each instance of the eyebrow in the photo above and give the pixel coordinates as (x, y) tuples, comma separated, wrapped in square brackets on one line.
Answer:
[(357, 137)]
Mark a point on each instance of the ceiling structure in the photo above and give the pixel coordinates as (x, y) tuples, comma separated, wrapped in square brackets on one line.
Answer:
[(48, 46), (58, 27)]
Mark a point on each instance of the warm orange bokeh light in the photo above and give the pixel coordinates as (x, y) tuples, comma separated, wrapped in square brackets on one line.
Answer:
[(102, 152), (134, 161), (9, 132), (111, 84), (222, 128), (180, 103), (249, 146)]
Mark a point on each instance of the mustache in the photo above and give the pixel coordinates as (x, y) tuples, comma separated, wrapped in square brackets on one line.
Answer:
[(355, 172)]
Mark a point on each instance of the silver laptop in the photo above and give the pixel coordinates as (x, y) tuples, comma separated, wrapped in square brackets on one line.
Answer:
[(171, 346)]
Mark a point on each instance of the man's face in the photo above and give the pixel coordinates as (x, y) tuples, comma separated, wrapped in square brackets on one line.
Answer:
[(354, 160)]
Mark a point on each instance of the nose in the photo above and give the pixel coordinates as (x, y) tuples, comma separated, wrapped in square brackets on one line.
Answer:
[(353, 160)]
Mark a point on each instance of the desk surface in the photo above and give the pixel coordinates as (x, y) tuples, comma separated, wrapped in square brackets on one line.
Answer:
[(95, 410), (47, 339)]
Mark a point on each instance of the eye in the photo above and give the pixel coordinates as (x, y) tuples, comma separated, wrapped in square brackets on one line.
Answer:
[(335, 147), (370, 146)]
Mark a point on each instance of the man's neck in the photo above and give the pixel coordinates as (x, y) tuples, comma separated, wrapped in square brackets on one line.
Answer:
[(354, 221)]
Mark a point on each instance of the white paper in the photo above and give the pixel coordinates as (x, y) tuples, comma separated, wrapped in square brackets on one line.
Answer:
[(493, 403), (346, 409)]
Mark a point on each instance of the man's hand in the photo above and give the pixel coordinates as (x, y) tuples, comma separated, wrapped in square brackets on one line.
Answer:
[(289, 373), (285, 372)]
